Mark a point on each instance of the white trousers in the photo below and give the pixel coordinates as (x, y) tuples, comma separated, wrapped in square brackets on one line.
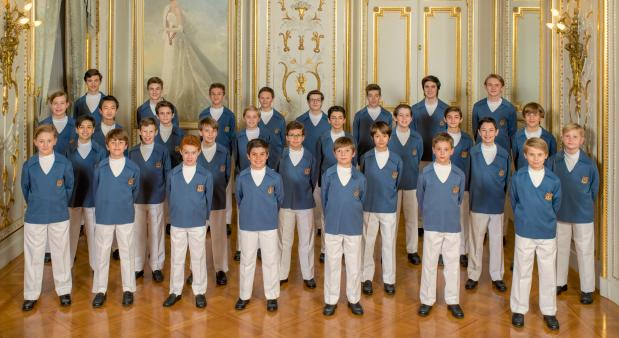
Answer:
[(350, 247), (434, 244), (86, 216), (493, 224), (407, 201), (524, 253), (305, 230), (372, 221), (104, 234), (318, 216), (35, 238), (219, 239), (465, 223), (584, 243), (267, 241), (149, 236), (228, 214), (180, 238)]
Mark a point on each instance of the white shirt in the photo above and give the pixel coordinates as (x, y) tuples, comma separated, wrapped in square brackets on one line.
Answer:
[(456, 136), (374, 112), (117, 165), (403, 135), (344, 174), (106, 129), (494, 105), (431, 107), (335, 136), (296, 156), (315, 118), (537, 133), (536, 176), (165, 132), (442, 171), (146, 150), (216, 113), (489, 153), (153, 107), (92, 101), (258, 175), (209, 152), (84, 148), (265, 116), (60, 123), (252, 133), (381, 158), (188, 172), (47, 162), (571, 160)]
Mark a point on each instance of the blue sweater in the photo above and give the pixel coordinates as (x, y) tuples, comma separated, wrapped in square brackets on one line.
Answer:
[(382, 184), (461, 157), (219, 167), (299, 181), (174, 141), (258, 206), (313, 132), (66, 138), (439, 202), (411, 154), (489, 182), (153, 174), (361, 129), (84, 171), (81, 108), (428, 126), (240, 149), (115, 196), (518, 146), (325, 156), (47, 195), (277, 126), (535, 209), (343, 204), (579, 188), (144, 111), (226, 131), (190, 203), (505, 117)]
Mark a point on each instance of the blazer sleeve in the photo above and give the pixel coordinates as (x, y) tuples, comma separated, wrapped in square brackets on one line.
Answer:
[(209, 192), (421, 186), (324, 191), (556, 197), (68, 179), (25, 182), (279, 191), (136, 184), (238, 191), (227, 167)]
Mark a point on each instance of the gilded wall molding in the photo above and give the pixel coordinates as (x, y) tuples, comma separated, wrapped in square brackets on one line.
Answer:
[(520, 12)]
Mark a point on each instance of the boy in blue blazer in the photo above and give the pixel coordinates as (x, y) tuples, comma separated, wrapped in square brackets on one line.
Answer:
[(533, 113), (65, 125), (428, 117), (108, 107), (89, 103), (168, 134), (154, 86), (259, 195), (270, 118), (498, 108), (365, 118)]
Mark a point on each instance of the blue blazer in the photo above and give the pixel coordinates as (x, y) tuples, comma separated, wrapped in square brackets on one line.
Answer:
[(226, 131), (382, 184), (299, 181), (579, 188), (115, 196), (258, 206), (240, 149), (489, 182), (47, 195), (153, 174), (461, 157), (411, 154), (439, 202), (428, 126), (144, 111), (277, 125), (99, 138), (190, 203), (343, 204), (313, 132), (173, 142), (505, 117), (324, 154), (219, 167), (361, 129), (84, 171), (518, 146), (81, 108), (535, 209), (67, 137)]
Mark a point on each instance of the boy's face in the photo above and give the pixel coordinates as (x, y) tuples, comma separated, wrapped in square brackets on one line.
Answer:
[(344, 156), (494, 87), (217, 96), (190, 154), (442, 152), (404, 118), (165, 115), (93, 83), (295, 138), (251, 119), (209, 134), (116, 148), (535, 157), (59, 106), (572, 139), (315, 102), (380, 140), (45, 143), (266, 100), (108, 110), (85, 130), (488, 132), (430, 90), (154, 91), (147, 134), (258, 157), (337, 120), (373, 97), (532, 119), (453, 120)]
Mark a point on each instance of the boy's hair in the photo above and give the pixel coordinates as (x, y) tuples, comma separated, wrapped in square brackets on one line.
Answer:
[(268, 90), (536, 143), (402, 106), (257, 143), (487, 120), (342, 142), (495, 76), (215, 86), (251, 108), (208, 121), (315, 92), (295, 125), (573, 126), (117, 134), (190, 140), (108, 98), (371, 87), (54, 95), (443, 137), (86, 117), (451, 109), (336, 109), (148, 121), (164, 103), (431, 78), (92, 72), (154, 80), (533, 107), (46, 128), (380, 126)]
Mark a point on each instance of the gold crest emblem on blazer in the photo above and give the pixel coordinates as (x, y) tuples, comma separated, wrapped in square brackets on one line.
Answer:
[(464, 154), (502, 122), (270, 190), (414, 152), (130, 181), (455, 189), (584, 180), (276, 131), (158, 164), (59, 182), (356, 193), (200, 188), (394, 174), (548, 196), (501, 172), (222, 168), (307, 171), (227, 129)]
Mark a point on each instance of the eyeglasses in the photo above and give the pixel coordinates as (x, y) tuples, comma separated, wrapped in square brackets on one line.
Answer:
[(295, 135), (315, 100)]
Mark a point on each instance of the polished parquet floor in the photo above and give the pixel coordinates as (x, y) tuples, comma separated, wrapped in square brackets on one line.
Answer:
[(487, 312)]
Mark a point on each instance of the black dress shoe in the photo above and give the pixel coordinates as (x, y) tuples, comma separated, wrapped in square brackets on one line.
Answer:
[(28, 305), (271, 305), (499, 285), (420, 232), (228, 229), (241, 304), (139, 274), (586, 298), (171, 300), (237, 256), (456, 311), (221, 278), (561, 289), (158, 276), (414, 258), (551, 322), (283, 281), (517, 319), (470, 284), (310, 283), (389, 289), (329, 309), (355, 308), (167, 229), (424, 310), (99, 300), (48, 258), (189, 279), (322, 257), (65, 300), (440, 260), (367, 287), (464, 261), (116, 255), (127, 298), (200, 301)]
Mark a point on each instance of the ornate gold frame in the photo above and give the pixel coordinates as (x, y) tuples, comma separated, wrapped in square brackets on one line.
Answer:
[(517, 13)]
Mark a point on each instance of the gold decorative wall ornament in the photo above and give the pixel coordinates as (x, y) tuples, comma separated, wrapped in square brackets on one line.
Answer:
[(286, 36), (321, 4), (316, 38), (301, 7), (287, 73), (301, 42), (282, 4), (300, 84)]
